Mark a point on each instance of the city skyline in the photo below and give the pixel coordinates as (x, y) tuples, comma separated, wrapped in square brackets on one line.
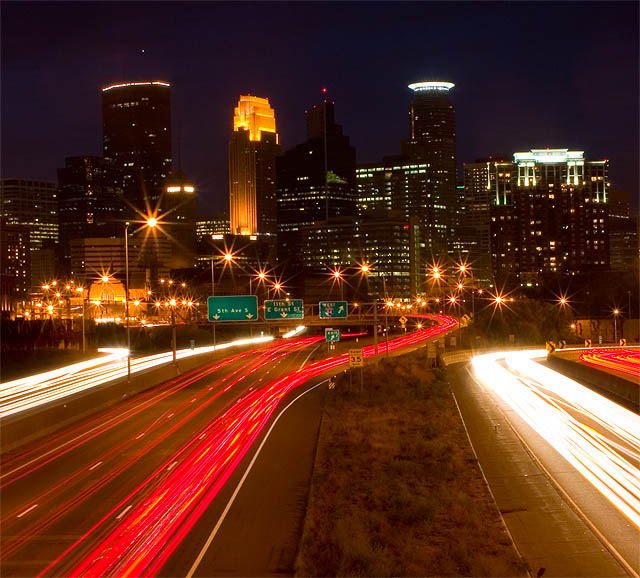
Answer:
[(529, 96)]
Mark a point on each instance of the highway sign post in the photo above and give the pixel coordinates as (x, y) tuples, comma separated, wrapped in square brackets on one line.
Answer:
[(331, 335), (232, 308), (333, 309), (279, 309), (355, 358)]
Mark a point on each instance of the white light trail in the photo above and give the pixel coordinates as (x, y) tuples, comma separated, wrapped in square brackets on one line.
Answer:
[(600, 438), (36, 390), (294, 332)]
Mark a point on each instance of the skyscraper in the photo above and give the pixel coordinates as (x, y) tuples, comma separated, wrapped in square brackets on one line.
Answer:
[(432, 140), (252, 168), (90, 201), (554, 221), (487, 182), (179, 209), (137, 138), (316, 179), (34, 204)]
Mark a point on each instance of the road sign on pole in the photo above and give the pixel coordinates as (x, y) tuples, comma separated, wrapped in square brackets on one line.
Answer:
[(282, 309), (232, 308), (331, 335), (333, 309), (355, 358)]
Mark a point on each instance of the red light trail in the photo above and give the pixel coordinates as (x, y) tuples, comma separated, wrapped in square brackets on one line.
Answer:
[(622, 360), (139, 534)]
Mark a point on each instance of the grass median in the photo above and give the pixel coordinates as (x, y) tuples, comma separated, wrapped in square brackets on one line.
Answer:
[(396, 489)]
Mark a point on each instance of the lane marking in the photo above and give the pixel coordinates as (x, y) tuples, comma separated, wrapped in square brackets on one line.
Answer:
[(124, 511), (173, 465), (197, 561), (138, 437), (94, 466), (27, 511)]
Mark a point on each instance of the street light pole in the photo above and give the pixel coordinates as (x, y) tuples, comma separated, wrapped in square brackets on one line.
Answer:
[(126, 299), (173, 331), (386, 314), (213, 294)]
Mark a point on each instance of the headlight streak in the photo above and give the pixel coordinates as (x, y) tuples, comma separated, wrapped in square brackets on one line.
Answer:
[(172, 499), (598, 437), (58, 508), (33, 391), (622, 360)]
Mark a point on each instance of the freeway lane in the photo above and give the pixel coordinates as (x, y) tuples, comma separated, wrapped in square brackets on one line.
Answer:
[(53, 492), (588, 445), (120, 500), (625, 361)]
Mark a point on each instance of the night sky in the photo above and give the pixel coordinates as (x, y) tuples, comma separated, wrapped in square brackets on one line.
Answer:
[(527, 75)]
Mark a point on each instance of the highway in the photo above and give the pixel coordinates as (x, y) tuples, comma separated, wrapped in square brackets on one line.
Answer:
[(625, 360), (33, 391), (562, 421), (119, 493)]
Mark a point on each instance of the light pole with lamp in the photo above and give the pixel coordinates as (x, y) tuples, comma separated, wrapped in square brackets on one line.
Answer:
[(172, 304), (151, 223), (616, 312), (84, 342)]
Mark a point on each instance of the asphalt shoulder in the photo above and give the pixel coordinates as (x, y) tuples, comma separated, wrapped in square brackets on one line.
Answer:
[(261, 531), (547, 532)]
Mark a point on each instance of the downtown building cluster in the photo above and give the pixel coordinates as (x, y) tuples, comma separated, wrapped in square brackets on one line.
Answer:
[(304, 213)]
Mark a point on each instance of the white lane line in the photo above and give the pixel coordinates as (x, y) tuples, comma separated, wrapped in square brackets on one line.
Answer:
[(308, 356), (124, 511), (193, 400), (202, 436), (94, 466), (27, 511), (173, 465), (170, 416), (239, 486), (138, 437)]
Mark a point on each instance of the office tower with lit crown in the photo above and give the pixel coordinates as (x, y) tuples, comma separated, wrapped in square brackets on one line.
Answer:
[(179, 212), (556, 219), (90, 201), (432, 140), (252, 168), (34, 204), (316, 179), (137, 139)]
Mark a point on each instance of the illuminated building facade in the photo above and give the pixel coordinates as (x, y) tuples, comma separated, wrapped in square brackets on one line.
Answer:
[(34, 204), (432, 140), (179, 219), (316, 180), (137, 138), (487, 182), (252, 168), (206, 227), (15, 269), (90, 201), (91, 258), (383, 240), (556, 220)]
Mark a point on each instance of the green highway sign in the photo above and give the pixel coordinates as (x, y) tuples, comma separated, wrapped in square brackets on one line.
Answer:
[(283, 309), (331, 335), (333, 309), (233, 308)]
